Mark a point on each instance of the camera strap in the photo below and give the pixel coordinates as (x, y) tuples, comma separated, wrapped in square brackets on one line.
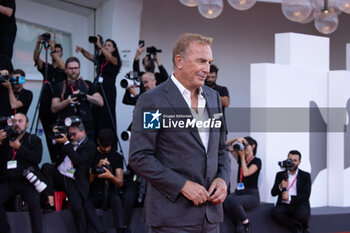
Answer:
[(102, 66), (292, 182), (241, 170)]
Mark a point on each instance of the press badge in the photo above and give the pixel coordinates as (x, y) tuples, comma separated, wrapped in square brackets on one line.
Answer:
[(240, 186), (70, 172), (12, 164)]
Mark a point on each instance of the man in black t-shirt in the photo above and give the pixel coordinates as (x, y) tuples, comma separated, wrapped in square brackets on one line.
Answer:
[(107, 176), (8, 28), (55, 74), (75, 96), (13, 97)]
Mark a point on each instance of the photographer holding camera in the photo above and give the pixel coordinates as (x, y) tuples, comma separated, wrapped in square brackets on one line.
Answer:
[(107, 68), (74, 97), (8, 29), (71, 173), (19, 151), (106, 177), (246, 195), (13, 97), (293, 188)]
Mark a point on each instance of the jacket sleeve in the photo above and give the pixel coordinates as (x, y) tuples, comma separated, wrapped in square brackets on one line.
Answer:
[(31, 150), (162, 75), (136, 66), (142, 153), (275, 189)]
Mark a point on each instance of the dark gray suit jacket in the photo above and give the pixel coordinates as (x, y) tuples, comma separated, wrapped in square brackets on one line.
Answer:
[(166, 158)]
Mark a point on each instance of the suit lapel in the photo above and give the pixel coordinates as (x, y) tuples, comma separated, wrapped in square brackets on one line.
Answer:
[(179, 105), (210, 105)]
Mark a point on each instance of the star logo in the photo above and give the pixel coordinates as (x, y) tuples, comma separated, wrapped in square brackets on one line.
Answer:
[(151, 120)]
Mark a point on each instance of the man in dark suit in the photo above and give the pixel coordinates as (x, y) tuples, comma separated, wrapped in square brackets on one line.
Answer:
[(187, 167), (72, 175), (293, 207)]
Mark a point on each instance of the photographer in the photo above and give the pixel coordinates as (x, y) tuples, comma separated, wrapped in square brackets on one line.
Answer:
[(8, 29), (55, 74), (106, 177), (107, 69), (293, 188), (148, 63), (72, 174), (13, 97), (246, 195), (74, 96), (19, 150)]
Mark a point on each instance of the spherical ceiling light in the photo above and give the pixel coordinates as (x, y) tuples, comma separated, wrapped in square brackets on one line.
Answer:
[(344, 5), (210, 9), (332, 6), (190, 3), (296, 10), (309, 19), (242, 5), (326, 22)]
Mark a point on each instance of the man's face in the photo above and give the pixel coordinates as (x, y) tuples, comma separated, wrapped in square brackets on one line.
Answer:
[(16, 87), (148, 83), (296, 161), (76, 135), (73, 70), (195, 64), (105, 149), (59, 51), (20, 123), (211, 79)]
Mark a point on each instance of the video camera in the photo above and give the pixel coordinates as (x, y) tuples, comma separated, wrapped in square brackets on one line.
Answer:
[(46, 37), (153, 50), (6, 125), (93, 39), (132, 78), (287, 164)]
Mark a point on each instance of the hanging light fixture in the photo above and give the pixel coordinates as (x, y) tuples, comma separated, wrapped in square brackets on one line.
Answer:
[(190, 3), (326, 21), (332, 6), (344, 5), (242, 5), (296, 10), (210, 9)]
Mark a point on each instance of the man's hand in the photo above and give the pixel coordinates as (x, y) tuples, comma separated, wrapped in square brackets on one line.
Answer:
[(284, 184), (78, 49), (15, 144), (156, 58), (132, 90), (7, 84), (4, 72), (106, 175), (195, 193), (62, 139), (3, 135), (52, 44), (103, 162), (285, 196), (217, 191), (139, 51)]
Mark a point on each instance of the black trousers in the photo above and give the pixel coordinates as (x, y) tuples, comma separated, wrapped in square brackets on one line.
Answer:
[(20, 186), (294, 217), (113, 202), (7, 39), (81, 208), (130, 193), (238, 202)]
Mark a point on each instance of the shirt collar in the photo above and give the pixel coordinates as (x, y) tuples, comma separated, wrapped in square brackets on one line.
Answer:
[(183, 90)]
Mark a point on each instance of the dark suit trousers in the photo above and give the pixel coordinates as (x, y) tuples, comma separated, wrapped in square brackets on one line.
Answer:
[(292, 217), (129, 200), (236, 204), (20, 186), (81, 209), (205, 227)]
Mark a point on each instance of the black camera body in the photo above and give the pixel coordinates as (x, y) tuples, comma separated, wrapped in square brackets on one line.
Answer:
[(153, 50), (287, 164), (93, 39), (4, 78), (99, 169), (81, 96), (12, 134), (61, 130), (46, 36)]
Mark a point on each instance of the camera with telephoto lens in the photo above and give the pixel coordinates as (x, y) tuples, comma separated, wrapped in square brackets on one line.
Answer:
[(93, 39), (4, 78), (238, 146), (99, 169), (6, 125), (287, 164), (132, 78), (34, 180), (153, 50), (46, 36)]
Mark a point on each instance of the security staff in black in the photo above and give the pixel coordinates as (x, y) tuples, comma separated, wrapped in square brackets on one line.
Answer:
[(17, 154)]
